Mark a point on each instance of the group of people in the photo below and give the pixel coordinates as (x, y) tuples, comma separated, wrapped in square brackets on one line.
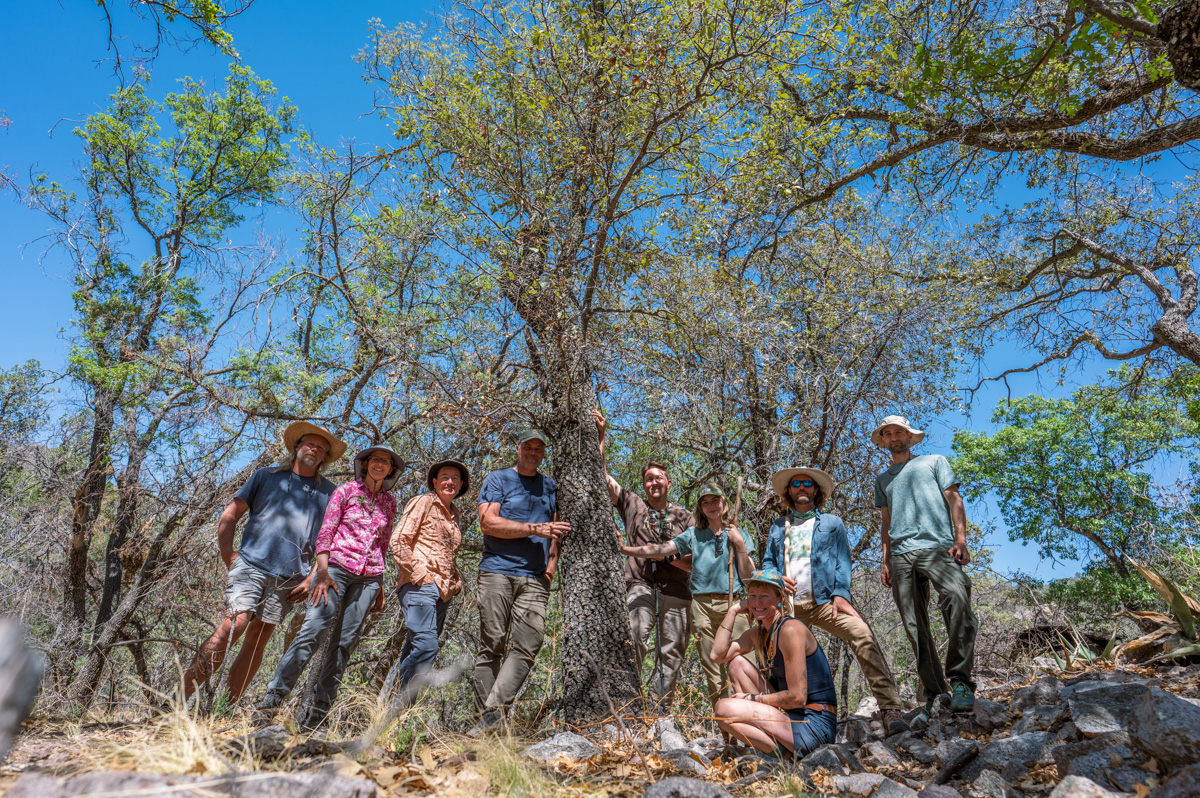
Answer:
[(685, 573)]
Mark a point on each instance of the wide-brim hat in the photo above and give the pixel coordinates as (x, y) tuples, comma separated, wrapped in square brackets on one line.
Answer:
[(781, 479), (450, 461), (899, 421), (298, 429), (360, 465)]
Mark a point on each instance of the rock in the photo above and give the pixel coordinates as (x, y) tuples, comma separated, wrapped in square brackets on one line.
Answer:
[(990, 785), (1166, 727), (1126, 779), (1079, 787), (915, 747), (1046, 690), (683, 787), (20, 681), (991, 715), (573, 745), (877, 754), (1013, 756), (867, 708), (1065, 755), (1095, 681), (1184, 784), (954, 758), (668, 734), (1038, 718), (949, 750), (156, 785), (854, 730), (871, 785), (683, 761), (834, 758), (1105, 709), (610, 733), (938, 791), (1045, 664)]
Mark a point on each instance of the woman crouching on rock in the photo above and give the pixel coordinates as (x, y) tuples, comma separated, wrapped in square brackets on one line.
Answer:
[(790, 708)]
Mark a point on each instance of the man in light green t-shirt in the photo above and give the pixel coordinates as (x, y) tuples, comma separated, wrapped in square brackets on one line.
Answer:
[(924, 543)]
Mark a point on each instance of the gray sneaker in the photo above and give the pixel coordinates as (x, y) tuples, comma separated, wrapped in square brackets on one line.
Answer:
[(491, 721), (272, 700)]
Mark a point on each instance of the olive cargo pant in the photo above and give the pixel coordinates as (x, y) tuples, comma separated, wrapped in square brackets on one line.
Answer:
[(512, 620), (912, 573)]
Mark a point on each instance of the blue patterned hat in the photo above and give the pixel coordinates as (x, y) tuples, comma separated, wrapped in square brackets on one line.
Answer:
[(767, 576)]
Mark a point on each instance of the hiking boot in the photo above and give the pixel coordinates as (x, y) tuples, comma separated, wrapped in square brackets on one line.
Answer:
[(893, 722), (312, 719), (272, 700), (491, 721), (963, 699)]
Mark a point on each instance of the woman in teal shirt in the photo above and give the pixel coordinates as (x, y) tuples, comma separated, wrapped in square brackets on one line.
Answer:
[(710, 543)]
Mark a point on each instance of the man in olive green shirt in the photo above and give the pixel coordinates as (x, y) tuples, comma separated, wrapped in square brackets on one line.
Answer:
[(924, 543)]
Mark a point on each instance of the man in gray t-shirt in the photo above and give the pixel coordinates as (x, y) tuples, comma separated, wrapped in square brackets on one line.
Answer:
[(286, 504), (924, 543)]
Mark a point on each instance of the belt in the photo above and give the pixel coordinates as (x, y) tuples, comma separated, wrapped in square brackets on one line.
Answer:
[(822, 707), (721, 594)]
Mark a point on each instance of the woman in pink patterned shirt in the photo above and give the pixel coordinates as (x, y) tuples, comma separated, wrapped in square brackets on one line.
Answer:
[(350, 552)]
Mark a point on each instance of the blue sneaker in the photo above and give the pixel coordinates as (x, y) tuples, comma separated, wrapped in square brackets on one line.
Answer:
[(963, 698)]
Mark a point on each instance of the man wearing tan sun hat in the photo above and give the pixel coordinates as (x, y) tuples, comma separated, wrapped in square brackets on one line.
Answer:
[(286, 503), (924, 537), (812, 552)]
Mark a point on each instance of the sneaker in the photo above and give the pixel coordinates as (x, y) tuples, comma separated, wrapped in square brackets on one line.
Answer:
[(893, 722), (273, 700), (491, 721), (963, 699)]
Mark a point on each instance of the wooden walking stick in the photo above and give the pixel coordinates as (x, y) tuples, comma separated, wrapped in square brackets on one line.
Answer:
[(737, 509)]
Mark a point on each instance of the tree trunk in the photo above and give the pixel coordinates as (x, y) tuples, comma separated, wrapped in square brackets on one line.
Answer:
[(595, 624), (127, 493), (596, 635), (68, 639)]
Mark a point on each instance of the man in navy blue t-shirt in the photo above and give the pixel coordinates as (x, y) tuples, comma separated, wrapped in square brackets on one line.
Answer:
[(521, 534)]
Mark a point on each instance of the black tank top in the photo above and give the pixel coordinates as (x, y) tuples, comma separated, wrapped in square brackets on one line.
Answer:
[(821, 689)]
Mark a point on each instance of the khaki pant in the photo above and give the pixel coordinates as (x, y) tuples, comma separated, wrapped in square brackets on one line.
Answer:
[(675, 621), (512, 621), (708, 611), (913, 573), (859, 637)]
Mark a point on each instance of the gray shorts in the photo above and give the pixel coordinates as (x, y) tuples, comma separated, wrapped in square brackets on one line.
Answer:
[(247, 588)]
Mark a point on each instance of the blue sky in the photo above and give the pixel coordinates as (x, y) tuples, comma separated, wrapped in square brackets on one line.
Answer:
[(53, 75)]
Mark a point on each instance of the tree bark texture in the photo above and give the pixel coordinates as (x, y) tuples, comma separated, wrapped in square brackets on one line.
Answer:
[(590, 566), (86, 504)]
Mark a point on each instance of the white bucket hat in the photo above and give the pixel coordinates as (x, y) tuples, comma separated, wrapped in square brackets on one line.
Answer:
[(781, 479), (899, 421)]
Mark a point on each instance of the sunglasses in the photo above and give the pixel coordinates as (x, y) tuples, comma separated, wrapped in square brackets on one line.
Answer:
[(802, 483)]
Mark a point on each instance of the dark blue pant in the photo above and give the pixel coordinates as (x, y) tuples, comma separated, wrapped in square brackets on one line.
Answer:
[(424, 617)]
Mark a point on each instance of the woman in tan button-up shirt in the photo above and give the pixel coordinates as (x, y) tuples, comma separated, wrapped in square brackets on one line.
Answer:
[(425, 544)]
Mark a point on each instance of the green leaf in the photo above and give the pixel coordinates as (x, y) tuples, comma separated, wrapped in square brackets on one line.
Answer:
[(1186, 651)]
